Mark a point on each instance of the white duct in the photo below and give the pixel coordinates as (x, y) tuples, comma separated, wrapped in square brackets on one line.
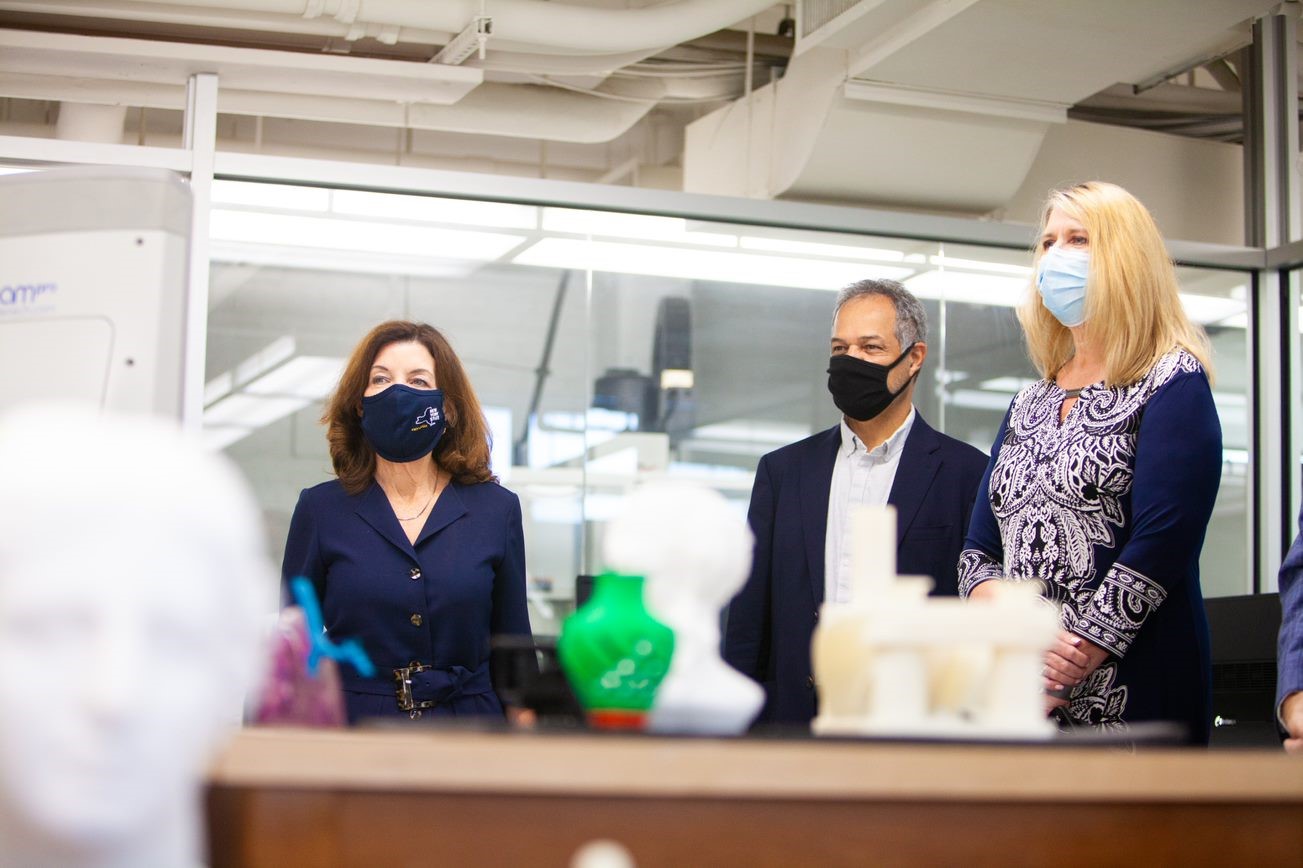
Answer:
[(87, 122), (549, 28), (511, 110), (99, 58), (941, 104), (503, 56)]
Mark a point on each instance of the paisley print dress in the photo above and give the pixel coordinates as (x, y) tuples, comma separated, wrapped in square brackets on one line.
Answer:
[(1108, 510)]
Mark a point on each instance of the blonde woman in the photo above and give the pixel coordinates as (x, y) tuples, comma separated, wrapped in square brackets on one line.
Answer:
[(1103, 474)]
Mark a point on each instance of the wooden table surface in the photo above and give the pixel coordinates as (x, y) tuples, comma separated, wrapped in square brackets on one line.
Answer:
[(297, 797)]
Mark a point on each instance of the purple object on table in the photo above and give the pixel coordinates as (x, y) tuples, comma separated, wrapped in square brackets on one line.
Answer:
[(292, 696)]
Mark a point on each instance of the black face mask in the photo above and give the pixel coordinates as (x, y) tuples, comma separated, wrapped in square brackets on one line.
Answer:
[(859, 388)]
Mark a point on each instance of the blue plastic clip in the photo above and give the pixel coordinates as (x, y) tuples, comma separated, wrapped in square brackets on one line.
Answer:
[(349, 651)]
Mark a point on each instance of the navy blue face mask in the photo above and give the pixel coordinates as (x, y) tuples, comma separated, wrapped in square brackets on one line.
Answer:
[(402, 423)]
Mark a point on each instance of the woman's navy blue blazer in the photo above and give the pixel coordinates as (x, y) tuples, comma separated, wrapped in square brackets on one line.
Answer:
[(435, 603)]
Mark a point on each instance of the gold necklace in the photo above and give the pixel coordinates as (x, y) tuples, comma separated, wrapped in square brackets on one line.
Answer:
[(427, 503)]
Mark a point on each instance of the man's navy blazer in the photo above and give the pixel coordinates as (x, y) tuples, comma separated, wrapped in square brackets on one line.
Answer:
[(772, 619)]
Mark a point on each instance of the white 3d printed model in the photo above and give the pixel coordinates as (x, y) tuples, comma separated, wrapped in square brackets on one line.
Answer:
[(895, 662), (694, 551), (130, 596)]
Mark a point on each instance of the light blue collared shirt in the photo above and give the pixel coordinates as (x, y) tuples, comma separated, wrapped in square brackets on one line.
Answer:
[(859, 478)]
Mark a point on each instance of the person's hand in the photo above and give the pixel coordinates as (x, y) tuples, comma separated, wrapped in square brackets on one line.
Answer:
[(1291, 711), (521, 718), (1067, 663)]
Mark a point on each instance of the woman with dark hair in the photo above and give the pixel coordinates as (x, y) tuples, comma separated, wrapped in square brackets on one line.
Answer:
[(414, 549)]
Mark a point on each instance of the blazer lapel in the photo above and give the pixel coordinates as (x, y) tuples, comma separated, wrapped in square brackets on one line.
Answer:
[(919, 463), (815, 482), (447, 509), (373, 508)]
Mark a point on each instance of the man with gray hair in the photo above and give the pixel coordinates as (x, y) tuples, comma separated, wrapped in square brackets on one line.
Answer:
[(881, 452)]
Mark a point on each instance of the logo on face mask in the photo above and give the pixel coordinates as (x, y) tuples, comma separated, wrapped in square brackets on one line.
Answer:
[(431, 416)]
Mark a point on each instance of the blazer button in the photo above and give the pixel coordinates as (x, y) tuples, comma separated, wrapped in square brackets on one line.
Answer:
[(809, 681), (416, 620), (816, 614), (414, 572)]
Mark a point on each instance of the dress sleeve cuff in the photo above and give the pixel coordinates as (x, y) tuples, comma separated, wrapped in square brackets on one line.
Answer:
[(975, 567), (1118, 608)]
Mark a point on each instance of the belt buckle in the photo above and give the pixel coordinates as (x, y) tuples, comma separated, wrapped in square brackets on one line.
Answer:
[(403, 677)]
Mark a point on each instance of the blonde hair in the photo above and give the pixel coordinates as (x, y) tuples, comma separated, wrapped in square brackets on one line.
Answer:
[(1133, 309)]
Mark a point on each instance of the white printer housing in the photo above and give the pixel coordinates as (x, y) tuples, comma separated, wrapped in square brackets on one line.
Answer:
[(93, 277)]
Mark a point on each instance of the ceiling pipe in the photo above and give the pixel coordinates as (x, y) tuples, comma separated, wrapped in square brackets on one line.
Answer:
[(505, 56), (88, 122), (548, 114), (549, 28), (206, 15)]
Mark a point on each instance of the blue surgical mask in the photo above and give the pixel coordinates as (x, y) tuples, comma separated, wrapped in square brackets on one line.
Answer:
[(402, 423), (1061, 279)]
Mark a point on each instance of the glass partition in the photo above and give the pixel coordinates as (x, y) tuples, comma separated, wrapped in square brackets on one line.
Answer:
[(609, 348)]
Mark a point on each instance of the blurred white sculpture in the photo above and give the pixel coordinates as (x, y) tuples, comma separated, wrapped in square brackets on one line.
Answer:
[(131, 571), (896, 662), (694, 551)]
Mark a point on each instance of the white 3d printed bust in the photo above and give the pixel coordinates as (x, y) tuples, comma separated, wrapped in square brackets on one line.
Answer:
[(895, 662), (131, 566), (694, 551)]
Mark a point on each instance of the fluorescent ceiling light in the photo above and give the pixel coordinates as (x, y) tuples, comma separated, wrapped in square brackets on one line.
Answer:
[(592, 420), (642, 226), (988, 289), (976, 399), (676, 378), (1024, 271), (1009, 385), (218, 386), (812, 248), (311, 377), (620, 461), (345, 261), (359, 235), (218, 438), (251, 411), (746, 431), (285, 197), (431, 209), (717, 265), (1211, 309), (265, 359), (753, 448)]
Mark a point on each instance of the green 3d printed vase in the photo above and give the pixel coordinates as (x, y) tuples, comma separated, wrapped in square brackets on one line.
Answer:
[(615, 653)]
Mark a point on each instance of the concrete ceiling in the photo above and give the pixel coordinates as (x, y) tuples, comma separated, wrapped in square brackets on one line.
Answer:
[(931, 92)]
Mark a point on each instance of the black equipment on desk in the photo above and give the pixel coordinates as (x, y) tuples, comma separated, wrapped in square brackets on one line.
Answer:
[(1244, 632)]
